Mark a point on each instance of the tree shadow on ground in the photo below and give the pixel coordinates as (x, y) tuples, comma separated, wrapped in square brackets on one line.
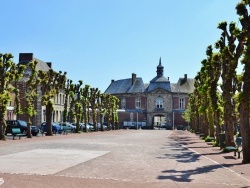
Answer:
[(184, 175), (182, 154)]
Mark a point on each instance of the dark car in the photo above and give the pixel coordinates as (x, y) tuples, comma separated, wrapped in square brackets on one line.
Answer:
[(56, 128), (20, 124)]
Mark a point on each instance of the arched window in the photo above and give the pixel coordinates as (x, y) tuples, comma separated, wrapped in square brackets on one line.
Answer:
[(138, 102), (159, 102)]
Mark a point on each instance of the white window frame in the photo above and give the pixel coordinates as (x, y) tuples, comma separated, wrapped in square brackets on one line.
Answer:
[(181, 103), (123, 103), (159, 102), (138, 102)]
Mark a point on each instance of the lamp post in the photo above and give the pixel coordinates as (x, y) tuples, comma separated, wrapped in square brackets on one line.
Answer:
[(137, 120), (173, 119)]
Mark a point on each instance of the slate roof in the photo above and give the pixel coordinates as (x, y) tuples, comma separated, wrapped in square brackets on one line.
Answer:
[(126, 86), (183, 87), (158, 82), (41, 65)]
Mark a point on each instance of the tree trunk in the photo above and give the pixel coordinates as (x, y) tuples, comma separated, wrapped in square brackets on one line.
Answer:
[(245, 131), (29, 129), (49, 111), (210, 118), (218, 127), (2, 128), (244, 112), (228, 114), (196, 123)]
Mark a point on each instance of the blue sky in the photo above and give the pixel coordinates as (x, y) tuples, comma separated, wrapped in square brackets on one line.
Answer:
[(100, 40)]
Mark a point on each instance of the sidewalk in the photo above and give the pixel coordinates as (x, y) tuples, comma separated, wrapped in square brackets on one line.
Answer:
[(194, 143)]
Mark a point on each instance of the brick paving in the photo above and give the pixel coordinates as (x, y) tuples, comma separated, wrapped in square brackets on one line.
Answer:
[(170, 159), (227, 160)]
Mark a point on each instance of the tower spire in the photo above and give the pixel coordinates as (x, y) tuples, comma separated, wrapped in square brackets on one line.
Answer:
[(160, 69)]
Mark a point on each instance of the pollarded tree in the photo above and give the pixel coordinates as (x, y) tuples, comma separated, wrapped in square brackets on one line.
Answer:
[(203, 100), (94, 94), (66, 98), (213, 69), (244, 96), (231, 47), (110, 105), (18, 74), (31, 95), (8, 74), (85, 104), (51, 83), (194, 103), (101, 108), (107, 109), (75, 96), (115, 107)]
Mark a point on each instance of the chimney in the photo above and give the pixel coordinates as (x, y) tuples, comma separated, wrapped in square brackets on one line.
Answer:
[(184, 80), (112, 81), (185, 77), (49, 64), (25, 58), (133, 78)]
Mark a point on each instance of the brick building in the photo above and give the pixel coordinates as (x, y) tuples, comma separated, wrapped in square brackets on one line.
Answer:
[(25, 58), (158, 102)]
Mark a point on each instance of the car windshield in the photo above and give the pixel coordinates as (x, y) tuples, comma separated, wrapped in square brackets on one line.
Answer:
[(22, 123)]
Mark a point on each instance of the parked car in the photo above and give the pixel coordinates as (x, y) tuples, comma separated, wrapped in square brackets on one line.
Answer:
[(68, 125), (56, 128), (98, 126), (22, 125), (89, 127)]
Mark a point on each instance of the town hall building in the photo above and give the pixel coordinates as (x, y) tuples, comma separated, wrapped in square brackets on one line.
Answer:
[(154, 104)]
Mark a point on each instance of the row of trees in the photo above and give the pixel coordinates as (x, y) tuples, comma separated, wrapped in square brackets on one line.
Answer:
[(84, 101), (227, 107)]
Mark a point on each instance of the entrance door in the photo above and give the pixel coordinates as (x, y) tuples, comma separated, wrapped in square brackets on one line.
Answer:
[(159, 121)]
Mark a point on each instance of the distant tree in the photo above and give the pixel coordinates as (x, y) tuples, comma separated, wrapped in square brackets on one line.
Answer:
[(8, 74), (51, 83), (187, 114)]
